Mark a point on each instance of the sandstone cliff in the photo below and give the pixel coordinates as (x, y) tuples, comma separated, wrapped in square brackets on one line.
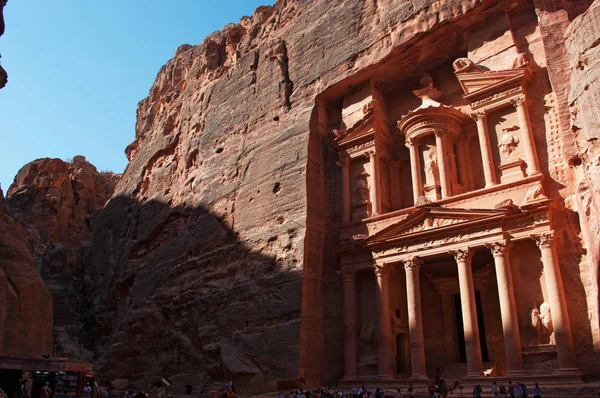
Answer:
[(25, 303), (56, 201), (3, 74)]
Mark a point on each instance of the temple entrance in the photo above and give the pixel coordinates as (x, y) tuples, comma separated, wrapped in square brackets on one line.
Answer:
[(460, 329)]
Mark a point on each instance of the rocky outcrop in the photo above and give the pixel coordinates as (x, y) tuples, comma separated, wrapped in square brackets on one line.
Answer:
[(25, 303), (213, 258), (3, 74), (583, 40), (56, 201)]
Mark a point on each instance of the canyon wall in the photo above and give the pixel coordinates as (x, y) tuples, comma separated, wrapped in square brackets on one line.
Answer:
[(214, 257), (56, 202), (3, 74), (25, 303)]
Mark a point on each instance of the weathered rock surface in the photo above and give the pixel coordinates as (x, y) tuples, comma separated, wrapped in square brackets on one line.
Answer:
[(3, 74), (56, 201), (583, 39), (213, 258), (25, 303)]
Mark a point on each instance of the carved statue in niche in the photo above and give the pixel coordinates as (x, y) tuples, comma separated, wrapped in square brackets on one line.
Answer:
[(463, 65), (368, 338), (361, 187), (432, 176), (541, 320), (508, 142)]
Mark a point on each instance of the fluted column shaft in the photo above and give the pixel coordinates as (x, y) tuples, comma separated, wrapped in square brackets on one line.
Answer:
[(415, 319), (350, 357), (533, 165), (469, 312), (383, 322), (508, 309), (415, 170), (441, 158), (558, 304), (374, 191), (486, 149)]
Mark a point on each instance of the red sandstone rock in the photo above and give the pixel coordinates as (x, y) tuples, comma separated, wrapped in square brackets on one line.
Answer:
[(56, 201), (215, 256), (3, 74), (25, 303)]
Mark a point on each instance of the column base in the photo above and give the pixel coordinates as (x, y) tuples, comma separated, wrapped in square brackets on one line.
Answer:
[(475, 374), (385, 377), (569, 372), (418, 378)]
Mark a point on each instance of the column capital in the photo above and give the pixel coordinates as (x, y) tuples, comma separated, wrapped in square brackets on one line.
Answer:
[(347, 274), (544, 240), (498, 249), (465, 254), (412, 264), (440, 132), (518, 101), (478, 115), (380, 269), (343, 162)]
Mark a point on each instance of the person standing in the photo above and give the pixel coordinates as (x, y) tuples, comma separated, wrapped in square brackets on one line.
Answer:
[(477, 391), (378, 393), (46, 391), (537, 391), (495, 389)]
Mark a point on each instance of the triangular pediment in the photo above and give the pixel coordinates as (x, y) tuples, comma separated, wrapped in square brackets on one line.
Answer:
[(431, 219), (475, 82), (364, 128)]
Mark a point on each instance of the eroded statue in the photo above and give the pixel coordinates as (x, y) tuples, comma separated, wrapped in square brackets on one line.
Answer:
[(361, 187), (432, 175), (508, 142), (541, 320)]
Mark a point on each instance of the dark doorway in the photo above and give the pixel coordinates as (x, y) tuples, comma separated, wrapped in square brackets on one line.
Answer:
[(9, 380), (400, 366), (461, 332)]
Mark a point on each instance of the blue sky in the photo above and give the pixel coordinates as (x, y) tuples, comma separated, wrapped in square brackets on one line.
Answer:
[(78, 68)]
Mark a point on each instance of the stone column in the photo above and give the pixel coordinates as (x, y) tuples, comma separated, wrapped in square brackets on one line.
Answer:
[(344, 165), (462, 164), (448, 316), (350, 357), (374, 191), (469, 312), (383, 322), (486, 149), (415, 319), (441, 159), (558, 304), (415, 169), (533, 164), (508, 309)]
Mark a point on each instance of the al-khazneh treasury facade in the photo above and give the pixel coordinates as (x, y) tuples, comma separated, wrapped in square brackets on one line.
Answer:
[(455, 242)]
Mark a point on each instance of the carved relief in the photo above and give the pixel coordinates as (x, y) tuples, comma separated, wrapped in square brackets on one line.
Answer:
[(508, 142), (541, 321), (379, 270), (498, 248), (535, 194), (412, 264), (368, 337), (432, 173), (361, 187), (496, 96)]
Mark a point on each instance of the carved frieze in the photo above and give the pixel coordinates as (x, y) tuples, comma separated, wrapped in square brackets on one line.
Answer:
[(495, 97), (412, 264)]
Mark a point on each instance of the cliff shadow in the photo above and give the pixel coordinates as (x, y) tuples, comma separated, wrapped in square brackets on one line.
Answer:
[(174, 291)]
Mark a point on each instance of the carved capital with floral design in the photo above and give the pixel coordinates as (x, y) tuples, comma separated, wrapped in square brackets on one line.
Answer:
[(519, 101), (479, 115), (412, 264), (347, 274), (380, 269), (544, 240), (498, 249), (440, 132), (462, 255)]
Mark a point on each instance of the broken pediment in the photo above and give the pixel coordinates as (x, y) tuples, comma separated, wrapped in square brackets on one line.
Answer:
[(482, 87), (430, 219)]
